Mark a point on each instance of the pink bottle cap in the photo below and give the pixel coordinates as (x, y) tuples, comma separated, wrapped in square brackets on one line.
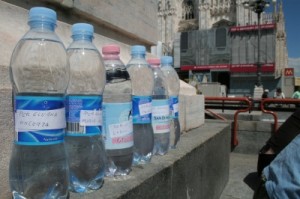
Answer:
[(154, 62), (111, 49)]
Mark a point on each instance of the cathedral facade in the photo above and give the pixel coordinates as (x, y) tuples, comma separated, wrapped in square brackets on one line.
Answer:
[(217, 41)]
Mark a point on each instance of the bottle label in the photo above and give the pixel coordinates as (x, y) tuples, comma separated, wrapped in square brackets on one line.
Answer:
[(141, 109), (160, 116), (117, 123), (39, 120), (84, 115), (174, 106)]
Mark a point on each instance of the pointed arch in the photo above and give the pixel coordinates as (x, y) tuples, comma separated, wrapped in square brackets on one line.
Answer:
[(188, 10)]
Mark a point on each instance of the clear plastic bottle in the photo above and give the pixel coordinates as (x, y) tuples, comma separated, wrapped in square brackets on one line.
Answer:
[(173, 90), (39, 71), (142, 87), (84, 142), (160, 110), (117, 119)]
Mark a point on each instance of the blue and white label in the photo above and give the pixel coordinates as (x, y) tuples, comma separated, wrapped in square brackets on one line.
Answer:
[(174, 106), (84, 115), (160, 116), (141, 109), (117, 122), (39, 120)]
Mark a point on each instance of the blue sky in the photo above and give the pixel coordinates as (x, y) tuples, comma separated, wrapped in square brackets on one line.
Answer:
[(291, 10)]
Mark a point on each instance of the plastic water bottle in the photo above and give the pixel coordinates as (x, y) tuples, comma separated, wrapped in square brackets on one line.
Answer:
[(160, 110), (40, 73), (172, 79), (117, 119), (84, 142), (142, 86)]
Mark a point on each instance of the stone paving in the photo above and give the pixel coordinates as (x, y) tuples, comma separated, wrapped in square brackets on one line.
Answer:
[(243, 178)]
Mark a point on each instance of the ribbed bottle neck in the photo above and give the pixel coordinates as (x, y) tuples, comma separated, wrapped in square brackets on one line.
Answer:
[(155, 66), (82, 37), (36, 25), (138, 56), (164, 65), (111, 57)]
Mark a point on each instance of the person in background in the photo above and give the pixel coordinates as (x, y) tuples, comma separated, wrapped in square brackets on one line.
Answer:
[(279, 94), (265, 94), (296, 95)]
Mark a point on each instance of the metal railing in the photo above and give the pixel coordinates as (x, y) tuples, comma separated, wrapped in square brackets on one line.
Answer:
[(266, 108), (245, 104), (215, 115)]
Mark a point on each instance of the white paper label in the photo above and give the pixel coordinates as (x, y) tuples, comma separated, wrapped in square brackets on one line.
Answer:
[(145, 108), (40, 120), (160, 110), (175, 108), (121, 129), (90, 118)]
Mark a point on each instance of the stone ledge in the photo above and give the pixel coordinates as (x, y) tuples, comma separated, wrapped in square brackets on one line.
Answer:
[(198, 168)]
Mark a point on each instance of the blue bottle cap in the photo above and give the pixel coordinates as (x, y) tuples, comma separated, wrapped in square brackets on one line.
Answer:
[(82, 29), (41, 14), (166, 60), (138, 50)]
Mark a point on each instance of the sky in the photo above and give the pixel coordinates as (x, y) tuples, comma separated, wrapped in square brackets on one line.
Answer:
[(291, 9)]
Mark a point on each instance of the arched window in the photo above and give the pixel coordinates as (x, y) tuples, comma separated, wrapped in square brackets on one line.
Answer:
[(188, 10), (184, 40), (221, 37)]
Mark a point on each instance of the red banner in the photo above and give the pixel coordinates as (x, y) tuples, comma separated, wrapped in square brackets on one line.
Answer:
[(251, 27), (206, 67), (251, 68), (234, 68)]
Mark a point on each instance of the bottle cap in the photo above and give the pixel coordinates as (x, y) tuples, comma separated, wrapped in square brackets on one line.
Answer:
[(153, 61), (111, 49), (166, 60), (41, 14), (138, 49), (82, 29)]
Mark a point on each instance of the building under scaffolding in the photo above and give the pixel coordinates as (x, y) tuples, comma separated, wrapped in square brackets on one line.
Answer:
[(228, 54), (216, 41)]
